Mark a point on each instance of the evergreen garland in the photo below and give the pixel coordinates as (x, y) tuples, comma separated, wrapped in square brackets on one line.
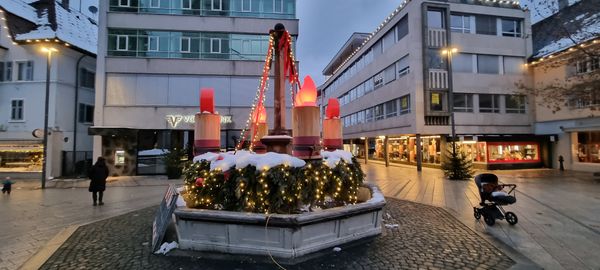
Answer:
[(280, 189)]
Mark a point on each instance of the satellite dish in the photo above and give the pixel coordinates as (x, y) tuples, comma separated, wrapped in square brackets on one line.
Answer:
[(93, 9)]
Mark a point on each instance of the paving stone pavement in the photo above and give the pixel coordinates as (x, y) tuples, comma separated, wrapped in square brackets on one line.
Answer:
[(426, 237), (29, 216)]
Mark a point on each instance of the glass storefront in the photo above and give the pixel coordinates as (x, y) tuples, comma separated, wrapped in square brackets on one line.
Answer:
[(402, 150), (431, 149), (21, 156), (475, 151), (588, 146), (513, 152)]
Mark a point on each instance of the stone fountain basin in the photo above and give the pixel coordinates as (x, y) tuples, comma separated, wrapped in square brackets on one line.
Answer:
[(285, 236)]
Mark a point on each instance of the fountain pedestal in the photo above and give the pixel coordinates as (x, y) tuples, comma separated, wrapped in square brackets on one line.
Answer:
[(281, 144)]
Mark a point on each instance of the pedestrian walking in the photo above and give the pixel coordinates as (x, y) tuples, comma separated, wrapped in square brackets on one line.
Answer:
[(7, 185), (98, 174)]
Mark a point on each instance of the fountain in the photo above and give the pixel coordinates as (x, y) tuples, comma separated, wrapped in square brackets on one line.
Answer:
[(284, 196)]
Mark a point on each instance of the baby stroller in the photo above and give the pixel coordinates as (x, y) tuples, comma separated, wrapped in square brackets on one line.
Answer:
[(493, 198)]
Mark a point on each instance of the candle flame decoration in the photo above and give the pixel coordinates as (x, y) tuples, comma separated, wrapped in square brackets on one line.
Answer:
[(333, 109), (262, 115), (207, 102), (307, 96)]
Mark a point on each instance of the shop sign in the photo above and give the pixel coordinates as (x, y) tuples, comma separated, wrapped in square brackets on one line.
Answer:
[(175, 120)]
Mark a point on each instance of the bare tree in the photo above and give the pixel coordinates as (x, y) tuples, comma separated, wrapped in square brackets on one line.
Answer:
[(570, 41)]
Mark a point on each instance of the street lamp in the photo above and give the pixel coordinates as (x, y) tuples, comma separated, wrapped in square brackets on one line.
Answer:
[(48, 51), (449, 52)]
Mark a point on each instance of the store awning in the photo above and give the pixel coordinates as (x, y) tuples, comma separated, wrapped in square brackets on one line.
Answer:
[(110, 131), (581, 128), (21, 146)]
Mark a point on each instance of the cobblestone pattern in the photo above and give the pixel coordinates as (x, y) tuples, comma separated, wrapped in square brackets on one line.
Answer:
[(425, 237)]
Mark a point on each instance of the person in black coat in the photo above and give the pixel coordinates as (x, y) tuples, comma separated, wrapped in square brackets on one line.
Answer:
[(98, 174)]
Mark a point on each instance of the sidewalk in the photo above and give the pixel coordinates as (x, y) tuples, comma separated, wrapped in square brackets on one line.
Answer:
[(31, 216), (559, 217)]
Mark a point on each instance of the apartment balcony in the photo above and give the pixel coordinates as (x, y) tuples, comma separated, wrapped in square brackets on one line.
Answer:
[(437, 120), (436, 38), (437, 79)]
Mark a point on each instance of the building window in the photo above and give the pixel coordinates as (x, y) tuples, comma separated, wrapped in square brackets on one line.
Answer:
[(514, 65), (25, 71), (390, 74), (378, 111), (17, 109), (402, 28), (435, 59), (389, 40), (215, 45), (378, 80), (369, 85), (391, 108), (185, 44), (487, 64), (511, 28), (216, 5), (86, 78), (460, 23), (153, 42), (122, 42), (436, 101), (435, 19), (463, 102), (485, 25), (86, 113), (369, 114), (489, 103), (5, 71), (516, 104), (154, 3), (405, 104), (462, 62), (246, 5), (124, 3), (277, 6), (587, 65), (402, 66), (588, 146), (187, 4)]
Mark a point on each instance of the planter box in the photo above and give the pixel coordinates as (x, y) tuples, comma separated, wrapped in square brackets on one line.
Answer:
[(285, 236)]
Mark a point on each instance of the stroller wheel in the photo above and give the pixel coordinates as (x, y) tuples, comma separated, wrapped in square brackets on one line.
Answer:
[(511, 218), (476, 214), (489, 220)]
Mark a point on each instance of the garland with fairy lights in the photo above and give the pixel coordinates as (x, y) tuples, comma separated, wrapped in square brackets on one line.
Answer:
[(290, 71), (280, 189)]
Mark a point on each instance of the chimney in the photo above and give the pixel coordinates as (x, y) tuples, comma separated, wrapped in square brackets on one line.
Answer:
[(561, 4)]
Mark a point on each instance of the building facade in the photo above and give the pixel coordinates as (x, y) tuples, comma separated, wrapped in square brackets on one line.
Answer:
[(153, 58), (25, 30), (566, 73), (427, 61)]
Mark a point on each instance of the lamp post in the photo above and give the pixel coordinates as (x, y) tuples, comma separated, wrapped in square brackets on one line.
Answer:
[(48, 51), (449, 52)]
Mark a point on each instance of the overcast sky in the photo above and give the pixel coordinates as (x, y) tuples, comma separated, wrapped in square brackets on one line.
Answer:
[(325, 25)]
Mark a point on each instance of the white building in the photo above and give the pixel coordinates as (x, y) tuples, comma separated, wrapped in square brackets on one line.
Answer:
[(25, 28), (398, 90), (155, 56), (566, 57)]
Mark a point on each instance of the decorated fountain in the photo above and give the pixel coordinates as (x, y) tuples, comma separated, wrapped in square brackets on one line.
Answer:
[(279, 194)]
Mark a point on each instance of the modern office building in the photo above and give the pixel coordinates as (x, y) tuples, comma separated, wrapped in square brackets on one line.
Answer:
[(26, 29), (153, 58), (566, 60), (427, 61)]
